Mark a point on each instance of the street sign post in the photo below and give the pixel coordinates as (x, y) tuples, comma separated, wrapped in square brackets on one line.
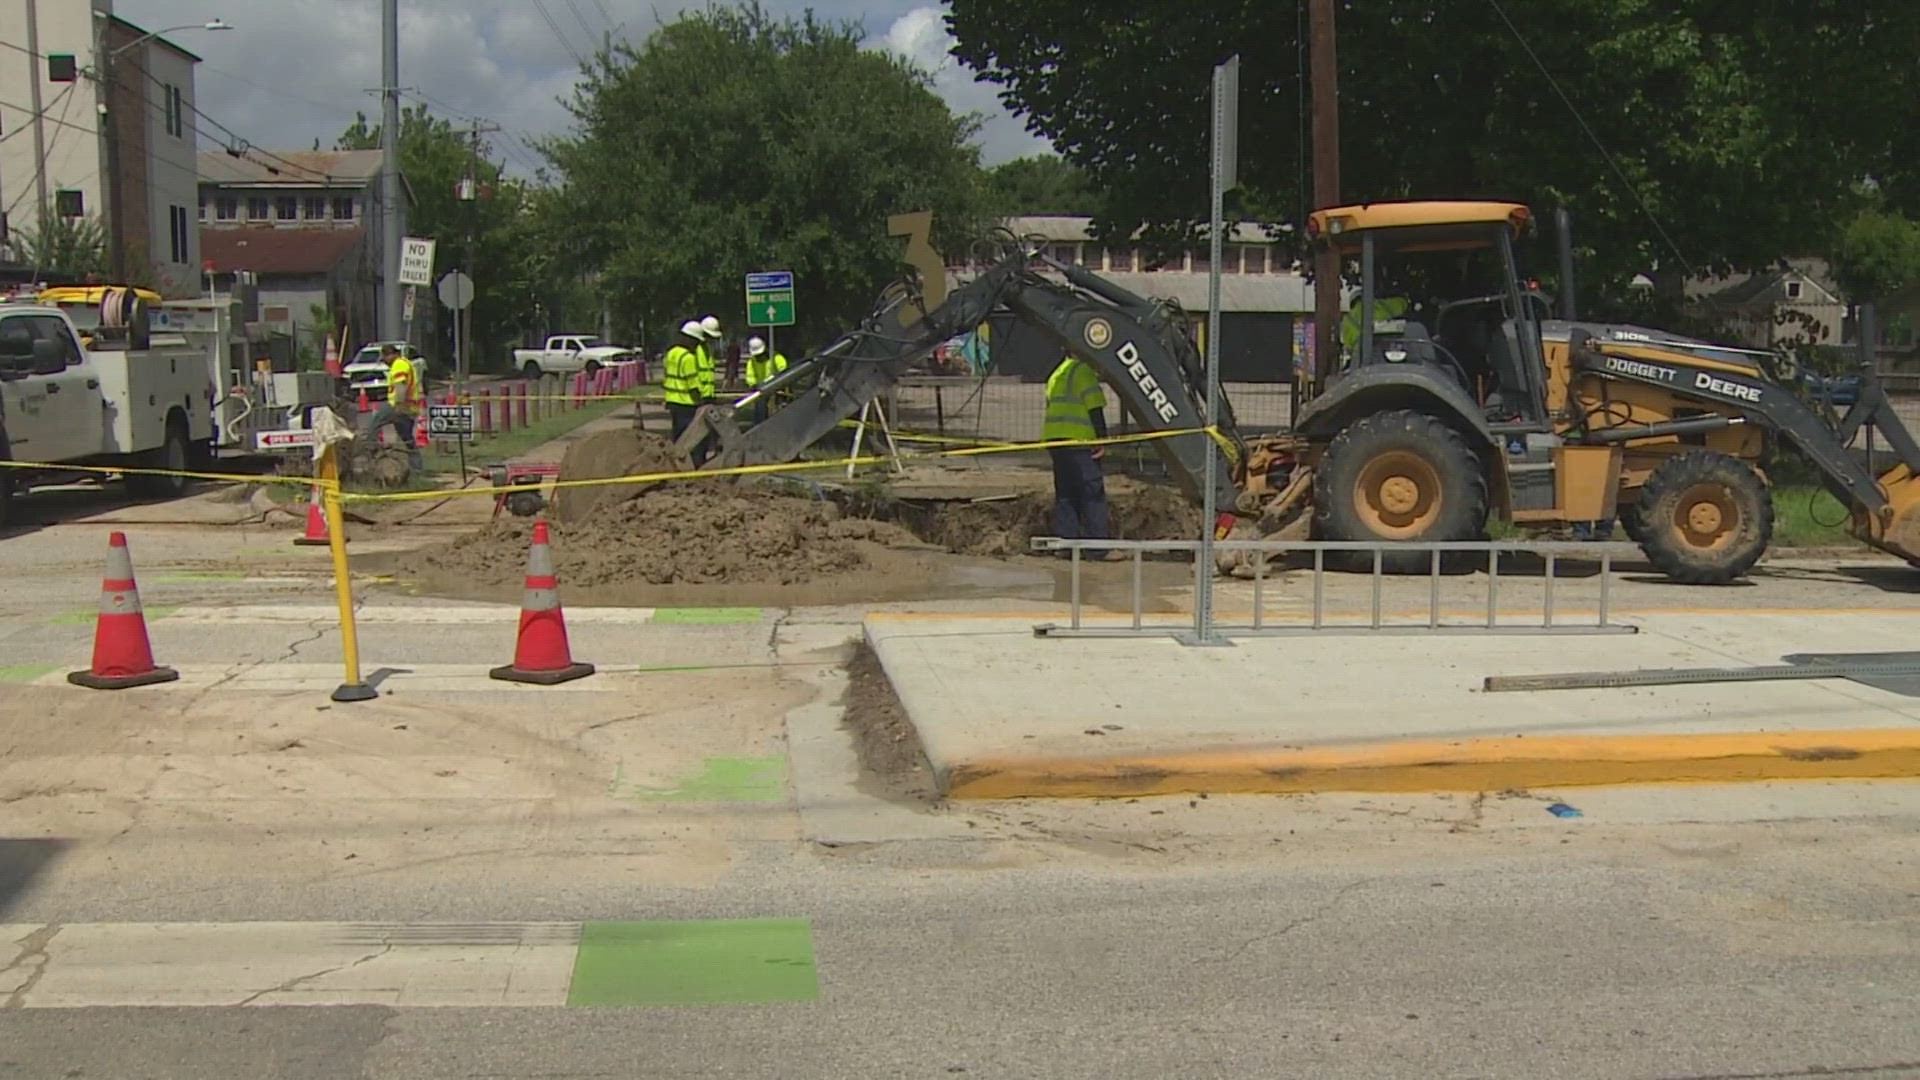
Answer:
[(456, 291), (416, 261), (770, 298)]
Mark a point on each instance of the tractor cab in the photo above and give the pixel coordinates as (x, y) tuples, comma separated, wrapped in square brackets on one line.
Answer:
[(1442, 290)]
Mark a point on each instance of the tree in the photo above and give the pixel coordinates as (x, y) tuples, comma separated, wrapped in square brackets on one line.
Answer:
[(1877, 255), (74, 246), (1734, 130), (484, 236), (730, 142), (1041, 184)]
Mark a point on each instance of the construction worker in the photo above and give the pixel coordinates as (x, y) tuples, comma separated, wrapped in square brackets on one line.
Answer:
[(1076, 409), (1385, 309), (761, 366), (402, 405), (681, 383), (709, 326)]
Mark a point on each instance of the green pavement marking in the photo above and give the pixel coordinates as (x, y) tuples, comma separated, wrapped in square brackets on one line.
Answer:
[(26, 673), (706, 616), (694, 962), (721, 779), (86, 618)]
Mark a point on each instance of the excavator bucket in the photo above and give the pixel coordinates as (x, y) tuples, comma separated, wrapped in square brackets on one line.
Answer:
[(1897, 529)]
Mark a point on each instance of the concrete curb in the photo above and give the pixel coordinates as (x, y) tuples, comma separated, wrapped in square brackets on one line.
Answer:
[(1492, 764)]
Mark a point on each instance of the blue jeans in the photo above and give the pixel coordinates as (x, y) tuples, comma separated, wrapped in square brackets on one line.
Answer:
[(1079, 496)]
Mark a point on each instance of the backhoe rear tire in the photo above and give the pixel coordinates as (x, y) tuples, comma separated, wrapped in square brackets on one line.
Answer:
[(1399, 476), (1705, 518)]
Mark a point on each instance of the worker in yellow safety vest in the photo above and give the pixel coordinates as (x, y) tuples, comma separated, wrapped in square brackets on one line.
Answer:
[(681, 383), (1385, 309), (401, 409), (710, 328), (761, 366), (1076, 409)]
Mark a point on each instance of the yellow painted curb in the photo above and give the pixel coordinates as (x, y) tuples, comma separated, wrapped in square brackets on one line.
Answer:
[(1492, 764)]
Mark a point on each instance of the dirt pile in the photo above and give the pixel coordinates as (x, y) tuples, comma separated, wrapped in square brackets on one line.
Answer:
[(609, 454), (1001, 528)]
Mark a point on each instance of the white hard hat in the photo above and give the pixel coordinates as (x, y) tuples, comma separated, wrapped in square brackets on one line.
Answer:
[(693, 329), (756, 346), (711, 324)]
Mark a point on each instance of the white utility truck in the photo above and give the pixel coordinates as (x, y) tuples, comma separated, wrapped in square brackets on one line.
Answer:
[(568, 353), (113, 402)]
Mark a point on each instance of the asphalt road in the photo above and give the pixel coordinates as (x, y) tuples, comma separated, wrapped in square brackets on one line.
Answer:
[(1383, 946)]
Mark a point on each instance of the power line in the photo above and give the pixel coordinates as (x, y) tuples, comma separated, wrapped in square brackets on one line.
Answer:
[(574, 6), (553, 25), (271, 89), (1582, 121)]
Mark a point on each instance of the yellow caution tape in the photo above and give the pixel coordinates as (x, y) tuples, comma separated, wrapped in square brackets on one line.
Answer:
[(231, 478), (787, 467)]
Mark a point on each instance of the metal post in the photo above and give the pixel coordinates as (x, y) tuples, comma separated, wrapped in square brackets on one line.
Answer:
[(1493, 586), (1259, 584), (1319, 586), (1548, 604), (1138, 554), (1377, 571), (1606, 571), (391, 222), (1226, 93), (1074, 585), (1433, 593)]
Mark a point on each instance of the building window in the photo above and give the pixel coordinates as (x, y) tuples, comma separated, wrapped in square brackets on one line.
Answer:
[(70, 204), (180, 238), (1120, 258), (314, 208), (286, 208), (1793, 290), (175, 110), (1230, 259), (343, 208), (226, 208), (1202, 261), (1254, 260), (1091, 256), (1066, 253), (257, 208), (203, 208)]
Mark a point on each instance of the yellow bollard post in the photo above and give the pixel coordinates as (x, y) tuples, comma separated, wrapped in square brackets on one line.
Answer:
[(354, 688)]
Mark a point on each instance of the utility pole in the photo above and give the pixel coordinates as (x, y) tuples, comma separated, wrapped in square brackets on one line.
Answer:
[(1325, 79), (469, 193), (392, 224), (34, 62)]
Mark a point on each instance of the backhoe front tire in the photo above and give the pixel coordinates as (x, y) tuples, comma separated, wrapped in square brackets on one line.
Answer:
[(1399, 476), (1704, 517)]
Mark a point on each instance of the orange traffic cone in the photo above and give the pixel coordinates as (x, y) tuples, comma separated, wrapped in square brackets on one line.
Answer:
[(122, 655), (540, 655), (365, 404), (316, 534), (420, 433)]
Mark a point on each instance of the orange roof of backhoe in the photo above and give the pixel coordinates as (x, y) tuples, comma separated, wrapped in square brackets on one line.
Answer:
[(1338, 221)]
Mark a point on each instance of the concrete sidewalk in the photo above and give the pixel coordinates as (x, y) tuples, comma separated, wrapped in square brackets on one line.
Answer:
[(1004, 714)]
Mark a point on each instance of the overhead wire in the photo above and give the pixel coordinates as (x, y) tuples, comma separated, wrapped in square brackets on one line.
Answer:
[(554, 25), (1632, 188)]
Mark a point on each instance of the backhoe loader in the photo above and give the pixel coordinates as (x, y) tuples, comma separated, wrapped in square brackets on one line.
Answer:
[(1482, 405)]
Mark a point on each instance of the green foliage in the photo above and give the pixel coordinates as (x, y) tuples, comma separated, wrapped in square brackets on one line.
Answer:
[(1743, 125), (1877, 255), (1041, 184), (730, 142), (493, 237), (76, 246)]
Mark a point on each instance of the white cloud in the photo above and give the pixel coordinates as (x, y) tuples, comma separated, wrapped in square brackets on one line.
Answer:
[(920, 36), (293, 71)]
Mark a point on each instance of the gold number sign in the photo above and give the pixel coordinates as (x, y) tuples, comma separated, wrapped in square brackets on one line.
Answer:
[(922, 257)]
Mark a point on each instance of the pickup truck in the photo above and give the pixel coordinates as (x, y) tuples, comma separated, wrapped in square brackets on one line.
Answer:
[(568, 353), (366, 371), (110, 403)]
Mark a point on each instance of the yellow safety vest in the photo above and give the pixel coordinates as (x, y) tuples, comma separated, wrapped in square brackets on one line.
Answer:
[(762, 368), (682, 381), (403, 385), (1385, 308), (1073, 392), (705, 359)]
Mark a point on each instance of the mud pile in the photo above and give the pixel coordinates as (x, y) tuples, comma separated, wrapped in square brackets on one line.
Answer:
[(1001, 528), (747, 532)]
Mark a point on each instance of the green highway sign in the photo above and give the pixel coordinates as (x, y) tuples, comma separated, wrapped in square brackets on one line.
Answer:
[(770, 298)]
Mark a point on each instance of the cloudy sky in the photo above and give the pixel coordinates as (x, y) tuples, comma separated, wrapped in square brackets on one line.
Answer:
[(292, 71)]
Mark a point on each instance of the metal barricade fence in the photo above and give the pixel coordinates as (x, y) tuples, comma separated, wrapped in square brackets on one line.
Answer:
[(1553, 553)]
